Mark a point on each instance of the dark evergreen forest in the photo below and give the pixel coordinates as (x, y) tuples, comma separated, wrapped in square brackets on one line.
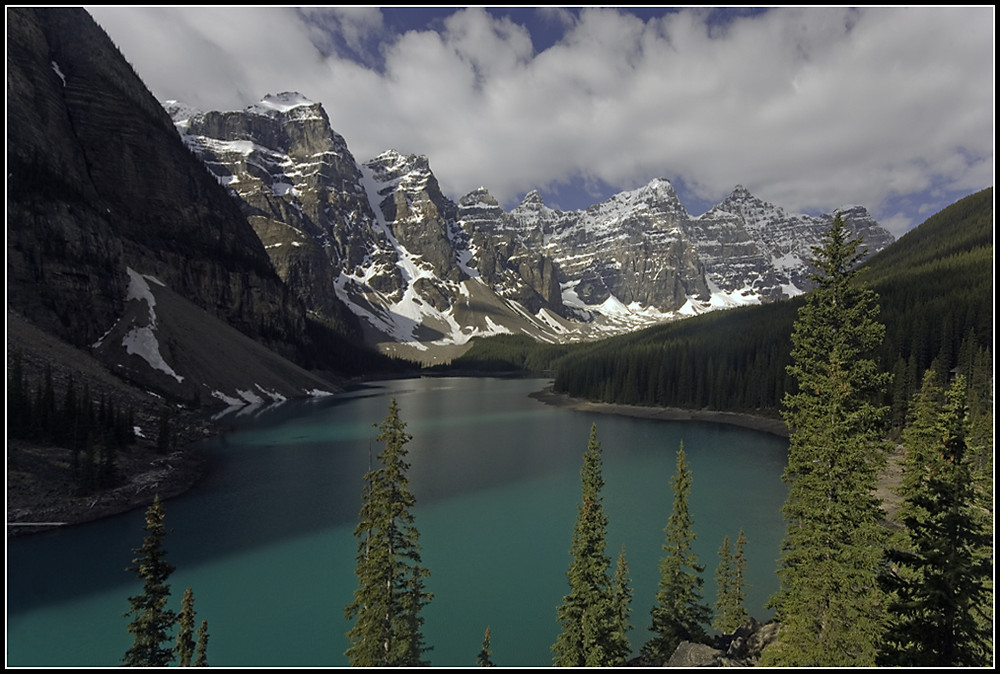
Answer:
[(935, 289)]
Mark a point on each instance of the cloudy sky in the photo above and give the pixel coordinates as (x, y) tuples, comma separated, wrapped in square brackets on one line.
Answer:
[(809, 108)]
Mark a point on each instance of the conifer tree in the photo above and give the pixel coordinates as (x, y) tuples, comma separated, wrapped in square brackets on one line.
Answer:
[(723, 583), (981, 429), (36, 429), (387, 628), (921, 438), (201, 647), (588, 613), (740, 578), (67, 425), (152, 620), (829, 603), (678, 614), (184, 647), (731, 592), (106, 468), (485, 657), (621, 649), (87, 481), (941, 579)]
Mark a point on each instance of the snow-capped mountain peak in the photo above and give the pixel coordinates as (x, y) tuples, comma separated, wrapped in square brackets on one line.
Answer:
[(282, 103), (180, 112), (381, 240)]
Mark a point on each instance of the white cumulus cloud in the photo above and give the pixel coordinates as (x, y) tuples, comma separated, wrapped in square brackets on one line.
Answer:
[(810, 108)]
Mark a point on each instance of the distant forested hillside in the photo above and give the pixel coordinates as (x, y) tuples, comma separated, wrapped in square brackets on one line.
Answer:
[(935, 289), (936, 294), (729, 360)]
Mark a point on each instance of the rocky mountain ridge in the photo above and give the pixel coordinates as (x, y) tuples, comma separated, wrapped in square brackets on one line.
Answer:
[(423, 270), (101, 195)]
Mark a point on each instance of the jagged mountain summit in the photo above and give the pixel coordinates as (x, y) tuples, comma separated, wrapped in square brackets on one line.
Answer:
[(380, 241), (776, 243), (378, 238)]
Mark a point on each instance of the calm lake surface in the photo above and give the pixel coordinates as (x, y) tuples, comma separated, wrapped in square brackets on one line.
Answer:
[(266, 539)]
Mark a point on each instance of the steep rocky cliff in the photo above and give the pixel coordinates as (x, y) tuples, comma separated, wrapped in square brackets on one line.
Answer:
[(632, 247), (379, 237), (299, 187), (100, 184), (759, 245), (506, 254)]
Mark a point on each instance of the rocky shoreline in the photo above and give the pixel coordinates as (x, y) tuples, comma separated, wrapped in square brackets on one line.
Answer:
[(750, 421), (41, 491), (41, 485)]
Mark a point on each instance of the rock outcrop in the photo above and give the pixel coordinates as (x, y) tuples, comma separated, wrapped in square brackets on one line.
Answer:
[(299, 187), (506, 255), (379, 237), (632, 247), (742, 648), (753, 247)]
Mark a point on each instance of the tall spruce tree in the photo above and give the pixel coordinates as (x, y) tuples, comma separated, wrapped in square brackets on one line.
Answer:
[(622, 597), (588, 614), (485, 657), (829, 603), (678, 614), (201, 647), (723, 583), (152, 620), (387, 629), (731, 587), (940, 580), (739, 582), (922, 437), (184, 648)]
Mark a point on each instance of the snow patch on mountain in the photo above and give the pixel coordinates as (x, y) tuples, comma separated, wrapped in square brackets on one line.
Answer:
[(141, 340), (290, 105), (58, 71)]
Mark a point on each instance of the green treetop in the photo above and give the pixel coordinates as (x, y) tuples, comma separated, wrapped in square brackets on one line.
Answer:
[(185, 630), (485, 657), (152, 620), (622, 596), (678, 614), (590, 617), (941, 603), (922, 437), (201, 648), (829, 603), (731, 593), (387, 629)]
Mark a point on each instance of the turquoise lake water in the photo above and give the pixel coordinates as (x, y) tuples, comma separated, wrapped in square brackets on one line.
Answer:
[(266, 539)]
